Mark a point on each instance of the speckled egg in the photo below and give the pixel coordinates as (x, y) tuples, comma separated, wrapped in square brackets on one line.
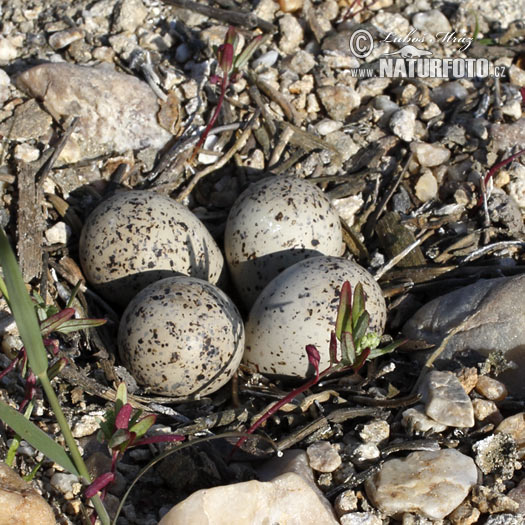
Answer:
[(299, 307), (275, 223), (181, 336), (135, 238)]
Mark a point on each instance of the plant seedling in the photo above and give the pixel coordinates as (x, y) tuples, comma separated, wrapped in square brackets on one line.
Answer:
[(356, 346), (231, 64), (123, 428)]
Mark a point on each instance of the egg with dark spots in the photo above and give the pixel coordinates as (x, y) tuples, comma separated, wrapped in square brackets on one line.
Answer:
[(181, 337), (298, 308), (273, 224), (135, 238)]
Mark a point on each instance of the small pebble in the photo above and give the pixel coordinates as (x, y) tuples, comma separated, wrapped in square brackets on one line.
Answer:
[(486, 411), (8, 51), (360, 518), (58, 233), (347, 502), (446, 401), (516, 76), (491, 389), (512, 109), (289, 6), (26, 153), (365, 452), (491, 500), (326, 126), (430, 155), (67, 484), (426, 187), (431, 110), (431, 22), (416, 421), (323, 457), (348, 207), (62, 39), (465, 514), (403, 124), (504, 519), (375, 431), (301, 62), (339, 101), (131, 14), (292, 33), (515, 426), (468, 377), (268, 59)]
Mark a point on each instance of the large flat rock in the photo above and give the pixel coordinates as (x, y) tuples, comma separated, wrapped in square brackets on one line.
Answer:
[(490, 316), (117, 112)]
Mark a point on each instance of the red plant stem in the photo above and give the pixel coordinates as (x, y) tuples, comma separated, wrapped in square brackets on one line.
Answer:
[(224, 87), (497, 167), (281, 403)]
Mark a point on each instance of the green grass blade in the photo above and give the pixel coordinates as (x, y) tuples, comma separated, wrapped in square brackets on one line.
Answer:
[(22, 308), (36, 437)]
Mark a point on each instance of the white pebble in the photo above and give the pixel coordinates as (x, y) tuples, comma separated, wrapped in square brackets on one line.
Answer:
[(26, 153), (58, 234), (323, 457), (403, 124), (426, 186)]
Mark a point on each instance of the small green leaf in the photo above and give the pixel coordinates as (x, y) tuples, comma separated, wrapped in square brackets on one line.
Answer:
[(74, 325), (22, 308), (36, 437), (122, 395), (361, 327), (143, 425), (348, 349), (344, 310), (359, 305), (386, 350), (119, 437)]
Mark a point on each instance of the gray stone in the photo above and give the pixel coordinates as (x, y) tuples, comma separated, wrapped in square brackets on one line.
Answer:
[(506, 136), (339, 101), (431, 22), (117, 111), (417, 422), (488, 316), (403, 124), (301, 62), (430, 155), (130, 14), (445, 400), (431, 484), (323, 457), (360, 518), (375, 431), (291, 34), (62, 39)]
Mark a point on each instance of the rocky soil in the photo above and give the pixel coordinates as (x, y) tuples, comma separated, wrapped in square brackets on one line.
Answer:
[(429, 183)]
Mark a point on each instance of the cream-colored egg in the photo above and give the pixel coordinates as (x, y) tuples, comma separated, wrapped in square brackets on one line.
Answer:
[(275, 223), (181, 336), (298, 308), (135, 238)]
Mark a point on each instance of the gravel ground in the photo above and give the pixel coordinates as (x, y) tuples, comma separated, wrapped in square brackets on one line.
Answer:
[(405, 162)]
